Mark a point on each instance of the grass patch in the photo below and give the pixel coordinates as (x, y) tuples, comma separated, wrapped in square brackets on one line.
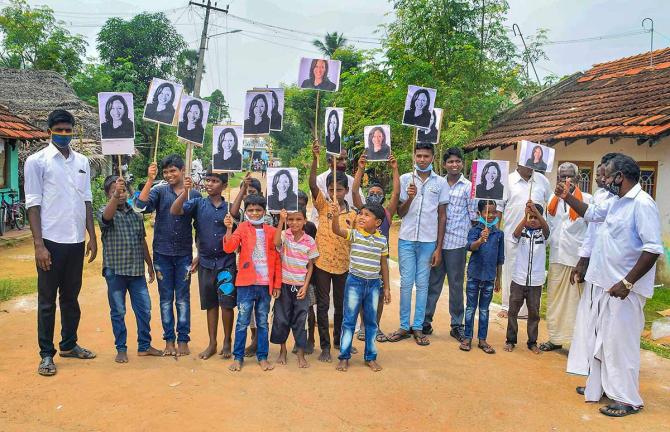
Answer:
[(14, 287), (659, 302), (661, 350), (234, 181)]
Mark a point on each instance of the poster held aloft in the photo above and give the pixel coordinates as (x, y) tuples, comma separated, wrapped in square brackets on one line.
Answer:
[(276, 108), (419, 105), (227, 148), (377, 142), (117, 123), (193, 113), (319, 74), (257, 106), (489, 179), (333, 128), (535, 156), (162, 101), (432, 134), (282, 190)]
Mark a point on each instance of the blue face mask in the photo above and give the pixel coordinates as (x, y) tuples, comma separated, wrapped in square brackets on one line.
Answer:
[(255, 222), (429, 168), (61, 140), (487, 224)]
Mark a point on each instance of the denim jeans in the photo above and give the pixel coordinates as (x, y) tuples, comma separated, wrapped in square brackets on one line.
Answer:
[(136, 286), (366, 292), (453, 267), (479, 293), (414, 259), (250, 299), (174, 283)]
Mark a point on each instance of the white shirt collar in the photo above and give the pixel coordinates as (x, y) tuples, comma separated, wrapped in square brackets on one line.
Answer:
[(52, 151), (632, 193)]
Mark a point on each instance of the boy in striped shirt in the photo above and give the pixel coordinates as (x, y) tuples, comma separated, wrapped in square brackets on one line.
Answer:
[(298, 251), (368, 263)]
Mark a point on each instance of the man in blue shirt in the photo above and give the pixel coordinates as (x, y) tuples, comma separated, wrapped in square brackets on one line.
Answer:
[(173, 252)]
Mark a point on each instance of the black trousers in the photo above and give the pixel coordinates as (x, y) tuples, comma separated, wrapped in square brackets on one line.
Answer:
[(322, 280), (64, 280), (517, 295), (290, 314)]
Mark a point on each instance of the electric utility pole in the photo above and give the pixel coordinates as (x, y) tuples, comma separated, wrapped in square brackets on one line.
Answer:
[(203, 41)]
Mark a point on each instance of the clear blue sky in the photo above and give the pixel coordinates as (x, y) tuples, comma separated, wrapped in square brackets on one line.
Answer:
[(259, 56)]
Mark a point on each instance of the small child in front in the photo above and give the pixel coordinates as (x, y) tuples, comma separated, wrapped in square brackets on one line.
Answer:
[(368, 262), (258, 277), (298, 252), (487, 244), (125, 251), (528, 276)]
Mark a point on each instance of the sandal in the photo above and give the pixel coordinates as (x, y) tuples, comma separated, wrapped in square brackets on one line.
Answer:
[(398, 335), (78, 352), (47, 367), (549, 346), (381, 337), (466, 345), (618, 410), (361, 335), (488, 349), (420, 338)]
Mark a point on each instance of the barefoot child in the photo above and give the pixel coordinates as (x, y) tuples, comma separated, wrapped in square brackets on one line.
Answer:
[(298, 252), (311, 230), (487, 244), (125, 251), (258, 277), (368, 271), (207, 214), (528, 276)]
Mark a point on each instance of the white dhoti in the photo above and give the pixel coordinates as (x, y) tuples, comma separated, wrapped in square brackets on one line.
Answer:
[(584, 334), (506, 281), (562, 301), (615, 365)]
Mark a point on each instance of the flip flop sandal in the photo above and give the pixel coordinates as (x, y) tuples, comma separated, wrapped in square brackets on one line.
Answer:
[(580, 390), (398, 335), (488, 349), (420, 338), (549, 346), (47, 367), (381, 337), (79, 353), (465, 346), (361, 335), (618, 410)]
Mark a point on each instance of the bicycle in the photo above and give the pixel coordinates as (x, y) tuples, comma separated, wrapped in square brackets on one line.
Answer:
[(12, 215)]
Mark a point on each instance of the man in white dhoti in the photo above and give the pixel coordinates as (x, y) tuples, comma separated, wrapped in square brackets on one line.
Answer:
[(624, 265), (567, 233), (513, 210)]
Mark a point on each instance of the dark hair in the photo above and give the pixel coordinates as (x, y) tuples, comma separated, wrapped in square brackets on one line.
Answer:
[(223, 133), (333, 113), (275, 103), (160, 89), (188, 107), (108, 107), (254, 102), (372, 132), (254, 200), (172, 160), (539, 208), (627, 166), (223, 177), (415, 96), (608, 157), (424, 146), (376, 210), (483, 203), (532, 154), (59, 116), (488, 166), (452, 151), (110, 180), (303, 210), (313, 65), (256, 184), (275, 181), (341, 179), (302, 196), (375, 183)]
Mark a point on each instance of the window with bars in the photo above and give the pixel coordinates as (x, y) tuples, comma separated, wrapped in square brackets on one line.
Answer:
[(648, 176), (585, 174)]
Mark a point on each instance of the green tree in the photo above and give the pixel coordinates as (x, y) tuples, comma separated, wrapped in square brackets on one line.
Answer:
[(185, 68), (330, 43), (33, 39), (351, 58), (218, 110)]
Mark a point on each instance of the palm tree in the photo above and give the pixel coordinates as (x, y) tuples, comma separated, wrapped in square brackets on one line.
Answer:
[(333, 41)]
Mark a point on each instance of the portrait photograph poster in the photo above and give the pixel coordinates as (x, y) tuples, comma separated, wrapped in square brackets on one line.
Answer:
[(227, 143), (117, 123), (489, 179), (419, 105), (333, 128), (162, 101), (319, 74), (432, 134), (535, 156), (193, 113), (377, 142), (276, 108), (282, 189), (257, 109)]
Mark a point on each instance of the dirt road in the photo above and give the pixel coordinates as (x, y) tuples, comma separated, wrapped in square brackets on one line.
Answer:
[(435, 388)]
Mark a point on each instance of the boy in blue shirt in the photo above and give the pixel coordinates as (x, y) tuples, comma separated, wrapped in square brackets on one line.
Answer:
[(487, 244)]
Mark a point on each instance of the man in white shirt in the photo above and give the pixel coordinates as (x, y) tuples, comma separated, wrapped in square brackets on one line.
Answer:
[(340, 165), (567, 233), (513, 211), (623, 263), (58, 198)]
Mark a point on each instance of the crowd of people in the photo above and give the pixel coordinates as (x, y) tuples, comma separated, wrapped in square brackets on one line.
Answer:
[(602, 254)]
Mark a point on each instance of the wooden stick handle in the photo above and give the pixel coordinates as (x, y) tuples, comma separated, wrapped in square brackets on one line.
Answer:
[(334, 177), (158, 131), (316, 121), (119, 163)]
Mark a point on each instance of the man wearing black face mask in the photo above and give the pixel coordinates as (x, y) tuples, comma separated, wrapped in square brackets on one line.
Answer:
[(58, 198), (623, 263)]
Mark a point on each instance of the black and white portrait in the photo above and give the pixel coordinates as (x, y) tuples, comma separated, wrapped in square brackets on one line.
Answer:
[(319, 74), (277, 111), (117, 118), (333, 126), (258, 106), (419, 106), (227, 148), (432, 134), (490, 178), (162, 101), (282, 189), (193, 114), (536, 156), (377, 142)]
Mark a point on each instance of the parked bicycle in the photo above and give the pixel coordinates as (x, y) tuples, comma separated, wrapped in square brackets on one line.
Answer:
[(12, 213)]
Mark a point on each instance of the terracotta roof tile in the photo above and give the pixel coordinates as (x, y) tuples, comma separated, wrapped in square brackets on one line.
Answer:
[(14, 127)]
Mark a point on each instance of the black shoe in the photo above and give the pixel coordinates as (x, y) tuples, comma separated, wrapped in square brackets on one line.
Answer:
[(427, 330), (580, 390), (457, 333)]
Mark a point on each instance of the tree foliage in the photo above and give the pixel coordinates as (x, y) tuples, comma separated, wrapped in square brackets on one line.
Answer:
[(218, 110), (186, 67), (330, 43)]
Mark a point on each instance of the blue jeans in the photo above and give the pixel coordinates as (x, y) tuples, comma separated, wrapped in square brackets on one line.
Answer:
[(414, 259), (250, 299), (136, 286), (174, 286), (359, 291), (479, 293)]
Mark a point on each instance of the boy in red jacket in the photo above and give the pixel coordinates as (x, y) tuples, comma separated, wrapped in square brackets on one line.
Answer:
[(258, 277)]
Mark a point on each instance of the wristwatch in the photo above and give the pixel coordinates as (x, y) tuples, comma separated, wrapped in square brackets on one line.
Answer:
[(627, 284)]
